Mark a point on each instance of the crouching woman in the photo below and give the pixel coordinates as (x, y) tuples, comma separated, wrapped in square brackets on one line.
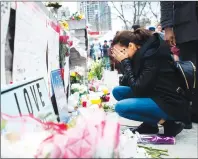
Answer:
[(149, 84)]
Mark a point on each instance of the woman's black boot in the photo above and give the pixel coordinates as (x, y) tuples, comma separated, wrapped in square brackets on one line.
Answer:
[(145, 128), (171, 128)]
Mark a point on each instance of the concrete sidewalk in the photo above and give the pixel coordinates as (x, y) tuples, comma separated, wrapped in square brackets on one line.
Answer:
[(186, 142)]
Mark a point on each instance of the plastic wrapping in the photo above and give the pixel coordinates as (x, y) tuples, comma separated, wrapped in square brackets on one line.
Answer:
[(95, 135), (87, 139), (156, 140), (22, 135)]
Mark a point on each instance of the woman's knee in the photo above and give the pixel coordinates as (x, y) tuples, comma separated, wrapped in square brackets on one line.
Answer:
[(116, 93), (122, 107), (115, 90), (119, 108)]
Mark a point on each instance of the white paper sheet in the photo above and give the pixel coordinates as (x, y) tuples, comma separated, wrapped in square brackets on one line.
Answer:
[(30, 43), (53, 49), (5, 16)]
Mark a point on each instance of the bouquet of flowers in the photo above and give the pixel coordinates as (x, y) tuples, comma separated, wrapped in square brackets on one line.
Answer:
[(76, 87), (65, 25), (22, 135), (96, 70), (75, 77), (76, 16), (55, 5), (94, 135)]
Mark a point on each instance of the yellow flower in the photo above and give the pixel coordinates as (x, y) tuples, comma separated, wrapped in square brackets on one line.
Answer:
[(105, 91), (80, 16), (65, 25), (73, 74)]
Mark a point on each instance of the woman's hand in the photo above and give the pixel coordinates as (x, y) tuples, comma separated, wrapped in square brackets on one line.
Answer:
[(176, 58), (120, 54), (170, 36)]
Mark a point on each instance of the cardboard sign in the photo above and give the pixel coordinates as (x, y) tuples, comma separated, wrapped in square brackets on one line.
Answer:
[(58, 90), (27, 97)]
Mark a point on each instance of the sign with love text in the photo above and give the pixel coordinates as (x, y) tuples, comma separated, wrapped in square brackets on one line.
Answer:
[(30, 97)]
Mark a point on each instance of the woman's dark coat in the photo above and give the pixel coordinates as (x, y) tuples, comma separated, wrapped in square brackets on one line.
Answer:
[(151, 75)]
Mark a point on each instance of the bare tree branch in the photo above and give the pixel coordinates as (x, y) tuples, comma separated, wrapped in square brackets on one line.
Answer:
[(155, 14), (121, 14), (138, 9), (144, 5), (135, 12), (116, 9)]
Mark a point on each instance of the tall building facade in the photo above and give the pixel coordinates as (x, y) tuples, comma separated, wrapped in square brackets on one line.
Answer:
[(98, 14)]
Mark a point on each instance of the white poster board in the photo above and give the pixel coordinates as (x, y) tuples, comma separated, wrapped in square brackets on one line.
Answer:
[(27, 97), (30, 43), (53, 49), (5, 16)]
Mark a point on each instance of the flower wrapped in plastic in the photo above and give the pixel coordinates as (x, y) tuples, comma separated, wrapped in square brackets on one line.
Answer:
[(94, 135), (76, 87), (22, 135)]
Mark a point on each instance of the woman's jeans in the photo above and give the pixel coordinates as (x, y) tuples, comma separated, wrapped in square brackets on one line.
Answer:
[(139, 109)]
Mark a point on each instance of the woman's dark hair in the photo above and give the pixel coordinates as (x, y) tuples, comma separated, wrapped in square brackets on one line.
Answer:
[(138, 37)]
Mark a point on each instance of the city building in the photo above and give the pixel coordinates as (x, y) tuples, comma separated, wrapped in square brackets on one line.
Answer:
[(98, 14)]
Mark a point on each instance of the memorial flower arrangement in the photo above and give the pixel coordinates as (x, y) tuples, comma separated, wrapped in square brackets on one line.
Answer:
[(96, 70), (55, 5), (76, 16), (75, 77), (76, 87), (64, 25)]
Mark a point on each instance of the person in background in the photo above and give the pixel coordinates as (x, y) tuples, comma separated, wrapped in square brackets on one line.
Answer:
[(105, 50), (151, 29), (100, 48), (159, 30), (136, 26), (179, 19), (148, 92), (92, 52), (97, 48)]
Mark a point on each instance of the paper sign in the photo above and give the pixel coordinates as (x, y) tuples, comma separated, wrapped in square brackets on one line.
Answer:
[(27, 97)]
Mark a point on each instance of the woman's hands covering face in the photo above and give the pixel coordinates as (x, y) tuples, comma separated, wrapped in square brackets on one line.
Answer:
[(119, 54)]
